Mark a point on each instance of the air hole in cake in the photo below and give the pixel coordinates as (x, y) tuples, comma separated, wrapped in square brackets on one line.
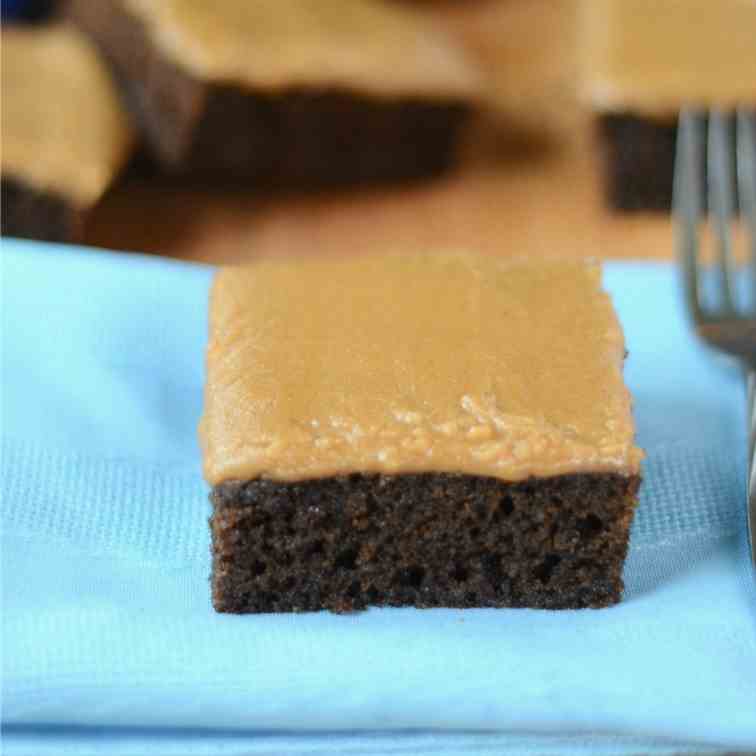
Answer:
[(546, 567), (589, 526), (354, 589), (316, 547), (460, 573), (347, 559), (506, 506), (411, 576), (258, 568), (492, 568), (371, 503)]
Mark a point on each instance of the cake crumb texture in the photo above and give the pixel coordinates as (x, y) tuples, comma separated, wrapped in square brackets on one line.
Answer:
[(431, 540)]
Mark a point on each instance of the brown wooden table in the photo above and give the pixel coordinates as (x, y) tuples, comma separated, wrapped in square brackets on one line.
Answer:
[(528, 182)]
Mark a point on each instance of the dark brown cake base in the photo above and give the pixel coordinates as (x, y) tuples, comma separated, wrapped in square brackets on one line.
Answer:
[(639, 161), (432, 540), (31, 214), (291, 138), (29, 11)]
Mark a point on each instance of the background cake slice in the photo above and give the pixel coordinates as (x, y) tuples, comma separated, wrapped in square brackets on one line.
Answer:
[(446, 430), (304, 92), (65, 133), (644, 60)]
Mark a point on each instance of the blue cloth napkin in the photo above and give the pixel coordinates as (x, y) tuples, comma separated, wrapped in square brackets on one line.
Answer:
[(110, 643)]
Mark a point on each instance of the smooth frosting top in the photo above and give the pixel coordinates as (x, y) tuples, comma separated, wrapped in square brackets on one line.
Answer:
[(367, 45), (659, 55), (63, 127), (448, 363)]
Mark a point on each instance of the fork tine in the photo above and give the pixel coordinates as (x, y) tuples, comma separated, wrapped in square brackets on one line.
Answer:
[(688, 198), (722, 203), (746, 146)]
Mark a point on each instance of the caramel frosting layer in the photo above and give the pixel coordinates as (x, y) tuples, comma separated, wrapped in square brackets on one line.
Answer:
[(367, 45), (422, 363), (659, 55), (63, 127)]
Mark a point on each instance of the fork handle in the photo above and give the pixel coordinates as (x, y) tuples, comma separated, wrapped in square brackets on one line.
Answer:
[(751, 487)]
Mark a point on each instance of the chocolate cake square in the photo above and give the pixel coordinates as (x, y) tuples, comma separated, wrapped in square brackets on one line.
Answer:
[(638, 158), (32, 213), (643, 63), (302, 93), (65, 133), (421, 430), (26, 11)]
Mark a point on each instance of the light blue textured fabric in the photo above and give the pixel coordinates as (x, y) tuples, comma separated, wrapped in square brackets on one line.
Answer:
[(110, 644)]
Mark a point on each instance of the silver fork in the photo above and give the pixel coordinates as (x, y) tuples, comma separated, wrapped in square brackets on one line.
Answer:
[(726, 323)]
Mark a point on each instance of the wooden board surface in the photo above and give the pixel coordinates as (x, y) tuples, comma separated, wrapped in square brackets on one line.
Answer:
[(528, 182)]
